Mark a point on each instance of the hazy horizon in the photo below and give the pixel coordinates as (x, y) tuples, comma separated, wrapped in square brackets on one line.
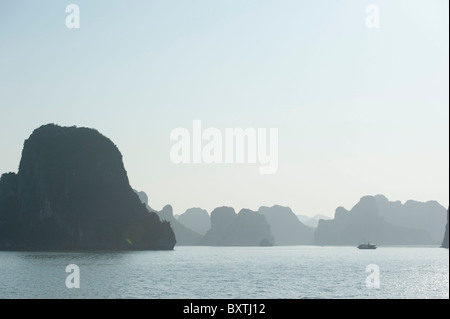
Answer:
[(359, 111)]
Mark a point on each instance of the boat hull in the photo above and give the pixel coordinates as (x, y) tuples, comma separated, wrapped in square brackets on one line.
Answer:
[(367, 246)]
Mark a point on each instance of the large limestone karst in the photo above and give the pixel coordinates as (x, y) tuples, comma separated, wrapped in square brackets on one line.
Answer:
[(72, 192)]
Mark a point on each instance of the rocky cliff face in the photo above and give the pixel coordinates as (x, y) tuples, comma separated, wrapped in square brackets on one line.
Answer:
[(9, 207), (72, 192), (445, 241)]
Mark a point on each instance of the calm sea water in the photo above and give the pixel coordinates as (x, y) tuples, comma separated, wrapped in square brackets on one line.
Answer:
[(229, 272)]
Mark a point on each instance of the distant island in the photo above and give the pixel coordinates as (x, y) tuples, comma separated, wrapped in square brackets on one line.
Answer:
[(445, 241), (247, 228), (184, 235), (285, 226), (276, 225), (312, 221), (196, 219), (72, 193), (380, 221), (374, 219)]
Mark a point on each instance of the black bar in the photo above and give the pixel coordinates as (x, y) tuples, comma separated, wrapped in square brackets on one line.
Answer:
[(229, 308)]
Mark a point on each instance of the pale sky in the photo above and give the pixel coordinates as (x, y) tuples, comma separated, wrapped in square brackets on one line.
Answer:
[(359, 111)]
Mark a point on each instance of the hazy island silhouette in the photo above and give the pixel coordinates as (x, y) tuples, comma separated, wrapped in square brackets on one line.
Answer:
[(72, 192)]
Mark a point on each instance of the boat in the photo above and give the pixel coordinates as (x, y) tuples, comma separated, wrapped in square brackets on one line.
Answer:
[(367, 246)]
